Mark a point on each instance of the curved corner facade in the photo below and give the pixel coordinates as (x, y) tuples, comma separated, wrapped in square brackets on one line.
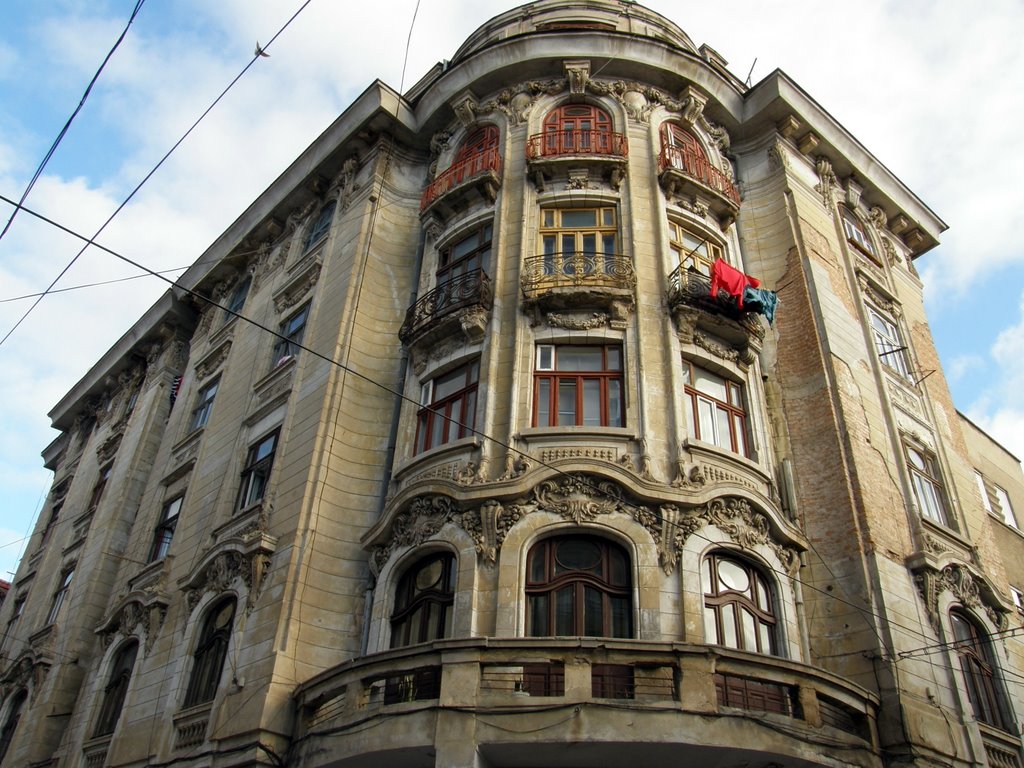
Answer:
[(593, 432)]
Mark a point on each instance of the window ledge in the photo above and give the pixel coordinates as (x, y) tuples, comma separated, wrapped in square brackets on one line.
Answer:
[(150, 574), (720, 465), (439, 455)]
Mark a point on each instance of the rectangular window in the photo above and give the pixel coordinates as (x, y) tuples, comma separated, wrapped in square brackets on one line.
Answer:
[(467, 255), (165, 529), (695, 253), (889, 344), (1018, 599), (578, 241), (256, 472), (238, 296), (449, 407), (578, 386), (856, 234), (715, 409), (97, 490), (928, 488), (204, 403), (60, 596), (292, 331), (995, 500)]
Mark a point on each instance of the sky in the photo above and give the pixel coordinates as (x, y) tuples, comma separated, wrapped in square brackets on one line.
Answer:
[(930, 88)]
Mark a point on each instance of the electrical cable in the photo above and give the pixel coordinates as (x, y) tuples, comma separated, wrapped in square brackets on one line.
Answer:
[(92, 285), (67, 125)]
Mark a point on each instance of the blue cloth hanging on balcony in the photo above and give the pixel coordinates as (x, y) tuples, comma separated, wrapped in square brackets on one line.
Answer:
[(761, 300)]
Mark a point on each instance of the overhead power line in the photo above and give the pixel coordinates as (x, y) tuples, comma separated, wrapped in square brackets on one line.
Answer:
[(91, 285)]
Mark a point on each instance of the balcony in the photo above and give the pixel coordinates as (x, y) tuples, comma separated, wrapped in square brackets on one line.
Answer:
[(693, 307), (461, 304), (601, 151), (581, 699), (685, 172), (578, 280), (477, 178)]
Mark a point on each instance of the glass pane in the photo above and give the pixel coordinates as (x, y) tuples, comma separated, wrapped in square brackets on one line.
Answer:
[(449, 383), (724, 439), (577, 555), (463, 247), (764, 631), (710, 628), (614, 355), (537, 564), (549, 244), (733, 576), (621, 617), (710, 384), (615, 403), (544, 403), (433, 621), (591, 402), (706, 410), (705, 577), (567, 403), (729, 636), (573, 218), (608, 217), (549, 217), (469, 413), (741, 438), (617, 566), (563, 612), (593, 614), (749, 630), (451, 424), (762, 594), (580, 358), (589, 242), (429, 575)]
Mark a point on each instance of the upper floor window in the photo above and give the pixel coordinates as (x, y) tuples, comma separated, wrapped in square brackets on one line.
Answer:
[(210, 653), (466, 255), (714, 409), (97, 490), (928, 488), (60, 595), (578, 385), (578, 129), (204, 404), (423, 602), (577, 239), (889, 343), (51, 523), (681, 148), (292, 330), (19, 606), (448, 409), (165, 529), (11, 723), (578, 586), (695, 253), (238, 296), (116, 688), (1017, 595), (856, 234), (995, 500), (321, 225), (256, 473), (738, 605), (974, 648)]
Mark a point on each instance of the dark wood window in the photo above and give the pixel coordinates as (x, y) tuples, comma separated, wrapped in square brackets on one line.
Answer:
[(256, 473), (423, 602), (448, 409), (975, 651), (165, 529), (204, 404), (210, 653), (924, 474), (321, 225), (11, 723), (714, 409), (238, 296), (292, 330), (578, 386), (468, 254), (738, 605), (97, 490), (60, 595), (577, 129), (116, 688), (578, 586)]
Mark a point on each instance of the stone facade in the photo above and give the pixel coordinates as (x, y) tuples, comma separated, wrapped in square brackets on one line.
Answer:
[(444, 453)]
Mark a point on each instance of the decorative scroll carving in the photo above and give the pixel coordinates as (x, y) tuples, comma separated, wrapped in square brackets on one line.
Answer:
[(218, 574), (136, 614), (105, 451), (27, 672), (577, 322), (424, 517), (778, 158), (517, 464), (345, 182), (297, 289), (213, 360), (594, 454), (891, 254), (577, 498), (578, 74), (827, 180), (877, 217), (707, 343), (968, 590), (692, 477)]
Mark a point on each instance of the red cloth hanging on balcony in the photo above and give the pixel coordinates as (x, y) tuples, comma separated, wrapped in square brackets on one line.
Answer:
[(731, 280)]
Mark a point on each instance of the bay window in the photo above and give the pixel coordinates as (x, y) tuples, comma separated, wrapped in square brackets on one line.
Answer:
[(578, 386), (448, 407), (714, 409)]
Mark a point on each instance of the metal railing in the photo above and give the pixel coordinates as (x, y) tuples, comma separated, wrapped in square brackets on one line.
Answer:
[(698, 168), (576, 142), (470, 289), (579, 269), (487, 161), (694, 289)]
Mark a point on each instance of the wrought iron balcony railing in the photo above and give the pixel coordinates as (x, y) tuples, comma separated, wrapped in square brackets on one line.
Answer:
[(694, 289), (554, 144), (577, 269), (697, 167), (488, 161), (468, 290)]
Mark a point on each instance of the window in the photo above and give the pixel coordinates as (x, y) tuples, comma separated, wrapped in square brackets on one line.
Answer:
[(682, 150), (889, 344), (924, 474), (578, 129), (318, 231), (448, 407), (238, 296), (578, 586), (97, 490), (204, 403), (165, 529), (116, 688), (1018, 599), (210, 653), (423, 602), (292, 330), (995, 500), (578, 241), (19, 606), (465, 256), (714, 409), (694, 252), (11, 723), (60, 596), (856, 233), (52, 522), (256, 472), (578, 386), (738, 609), (974, 649)]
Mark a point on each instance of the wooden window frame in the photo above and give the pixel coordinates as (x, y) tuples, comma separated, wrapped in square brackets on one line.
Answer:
[(293, 330), (204, 404), (121, 667), (577, 129), (734, 409), (257, 467), (320, 227), (925, 477), (163, 534), (973, 648), (454, 414), (417, 605), (450, 266), (857, 235), (210, 653), (555, 237), (890, 346), (694, 259), (554, 377), (722, 601)]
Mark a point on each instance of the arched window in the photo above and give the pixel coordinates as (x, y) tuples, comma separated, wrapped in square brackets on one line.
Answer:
[(11, 723), (975, 651), (578, 129), (116, 688), (578, 586), (423, 602), (320, 226), (680, 146), (210, 653), (476, 147), (738, 609)]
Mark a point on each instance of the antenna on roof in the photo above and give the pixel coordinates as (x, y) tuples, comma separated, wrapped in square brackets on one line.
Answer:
[(747, 81)]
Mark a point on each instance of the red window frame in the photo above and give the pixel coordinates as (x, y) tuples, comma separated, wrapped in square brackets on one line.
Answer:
[(549, 381), (451, 416), (726, 606), (732, 408), (577, 128)]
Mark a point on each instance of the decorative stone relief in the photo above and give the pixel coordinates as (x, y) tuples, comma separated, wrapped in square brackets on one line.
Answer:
[(827, 180), (853, 192), (517, 464), (106, 450), (875, 295), (965, 588), (27, 672), (433, 228), (577, 322), (219, 573), (298, 288), (891, 254), (709, 344), (578, 179), (423, 518), (577, 72), (595, 454), (778, 158), (689, 477), (136, 613), (877, 217), (345, 182), (213, 360)]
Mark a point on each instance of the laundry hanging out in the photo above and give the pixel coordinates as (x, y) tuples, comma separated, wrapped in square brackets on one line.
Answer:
[(745, 289)]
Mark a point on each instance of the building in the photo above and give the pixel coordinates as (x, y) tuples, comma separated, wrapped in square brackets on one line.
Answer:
[(460, 447)]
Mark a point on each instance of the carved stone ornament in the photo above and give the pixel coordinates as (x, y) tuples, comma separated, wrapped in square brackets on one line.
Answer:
[(433, 228), (106, 450), (709, 344), (218, 574), (891, 254), (827, 180), (212, 361), (778, 158), (966, 588), (877, 217), (423, 518), (345, 182), (577, 322), (298, 288), (27, 672), (578, 73), (136, 617)]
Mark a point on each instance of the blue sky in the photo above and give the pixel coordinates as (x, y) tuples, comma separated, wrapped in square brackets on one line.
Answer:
[(932, 89)]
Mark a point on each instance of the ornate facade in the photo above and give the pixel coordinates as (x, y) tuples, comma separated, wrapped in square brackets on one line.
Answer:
[(454, 450)]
